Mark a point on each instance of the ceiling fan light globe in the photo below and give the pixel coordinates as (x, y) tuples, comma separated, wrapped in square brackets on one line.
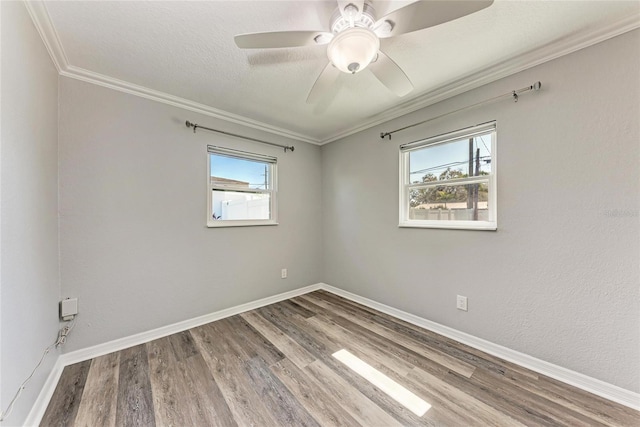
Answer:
[(353, 49)]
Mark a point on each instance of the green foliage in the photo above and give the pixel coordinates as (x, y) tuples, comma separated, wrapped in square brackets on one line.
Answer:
[(446, 193)]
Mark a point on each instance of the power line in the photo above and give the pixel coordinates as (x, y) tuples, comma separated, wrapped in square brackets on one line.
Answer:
[(485, 145), (446, 165)]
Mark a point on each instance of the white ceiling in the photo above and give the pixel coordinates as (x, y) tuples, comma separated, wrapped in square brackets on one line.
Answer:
[(183, 53)]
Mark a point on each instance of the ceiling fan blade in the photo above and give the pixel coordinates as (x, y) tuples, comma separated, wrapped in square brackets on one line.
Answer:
[(326, 78), (282, 39), (391, 75), (342, 4), (424, 14)]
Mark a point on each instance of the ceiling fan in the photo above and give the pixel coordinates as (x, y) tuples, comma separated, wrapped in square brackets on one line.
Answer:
[(354, 39)]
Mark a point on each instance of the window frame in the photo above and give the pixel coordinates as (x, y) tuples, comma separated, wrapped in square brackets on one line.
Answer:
[(490, 180), (272, 190)]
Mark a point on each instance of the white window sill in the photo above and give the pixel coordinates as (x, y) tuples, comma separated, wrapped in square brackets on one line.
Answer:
[(451, 225), (237, 223)]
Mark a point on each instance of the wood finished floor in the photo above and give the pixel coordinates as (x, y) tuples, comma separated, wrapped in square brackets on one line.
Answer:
[(274, 367)]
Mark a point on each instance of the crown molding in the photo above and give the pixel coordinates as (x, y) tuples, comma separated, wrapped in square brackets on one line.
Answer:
[(498, 71), (42, 21), (154, 95), (565, 46), (40, 17)]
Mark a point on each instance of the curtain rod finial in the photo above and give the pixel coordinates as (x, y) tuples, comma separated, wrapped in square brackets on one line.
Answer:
[(537, 85)]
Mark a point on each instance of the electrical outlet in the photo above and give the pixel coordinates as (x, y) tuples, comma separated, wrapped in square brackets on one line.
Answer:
[(461, 303), (283, 273)]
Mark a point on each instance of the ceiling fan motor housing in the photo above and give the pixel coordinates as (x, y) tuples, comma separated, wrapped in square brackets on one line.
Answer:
[(366, 19)]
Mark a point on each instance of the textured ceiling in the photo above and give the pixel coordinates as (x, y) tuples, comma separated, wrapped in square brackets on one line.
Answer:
[(184, 52)]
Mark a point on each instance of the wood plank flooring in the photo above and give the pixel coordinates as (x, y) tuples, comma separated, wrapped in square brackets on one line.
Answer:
[(274, 367)]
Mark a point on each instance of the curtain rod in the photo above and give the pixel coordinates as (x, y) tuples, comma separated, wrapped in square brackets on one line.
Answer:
[(196, 126), (513, 94)]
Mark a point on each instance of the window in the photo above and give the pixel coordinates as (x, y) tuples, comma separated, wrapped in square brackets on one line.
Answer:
[(241, 188), (449, 181)]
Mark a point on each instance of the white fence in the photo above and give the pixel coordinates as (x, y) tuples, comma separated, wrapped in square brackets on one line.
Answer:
[(239, 206), (246, 209), (447, 214)]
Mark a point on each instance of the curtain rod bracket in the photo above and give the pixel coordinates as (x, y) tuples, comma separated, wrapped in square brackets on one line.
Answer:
[(189, 124), (515, 96), (385, 134)]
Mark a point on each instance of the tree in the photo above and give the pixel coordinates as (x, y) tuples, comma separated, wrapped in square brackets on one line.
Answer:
[(440, 193), (451, 193), (418, 197)]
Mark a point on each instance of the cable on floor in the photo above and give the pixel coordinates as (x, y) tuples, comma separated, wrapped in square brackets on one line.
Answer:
[(62, 338)]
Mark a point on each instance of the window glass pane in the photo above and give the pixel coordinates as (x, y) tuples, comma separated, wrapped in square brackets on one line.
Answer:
[(455, 159), (468, 202), (233, 205), (230, 171)]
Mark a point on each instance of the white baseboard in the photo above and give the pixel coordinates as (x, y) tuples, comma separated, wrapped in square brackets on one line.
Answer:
[(576, 379), (66, 359), (592, 385), (40, 405), (133, 340)]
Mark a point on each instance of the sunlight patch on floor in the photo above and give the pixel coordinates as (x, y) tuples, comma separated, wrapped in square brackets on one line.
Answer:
[(383, 382)]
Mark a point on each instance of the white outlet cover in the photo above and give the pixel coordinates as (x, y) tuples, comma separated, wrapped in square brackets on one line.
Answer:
[(461, 303)]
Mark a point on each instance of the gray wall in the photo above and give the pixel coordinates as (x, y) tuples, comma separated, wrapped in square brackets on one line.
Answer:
[(134, 246), (29, 275), (560, 279)]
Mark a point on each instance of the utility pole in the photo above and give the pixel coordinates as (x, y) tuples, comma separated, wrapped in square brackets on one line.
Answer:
[(476, 187), (265, 177), (470, 173)]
